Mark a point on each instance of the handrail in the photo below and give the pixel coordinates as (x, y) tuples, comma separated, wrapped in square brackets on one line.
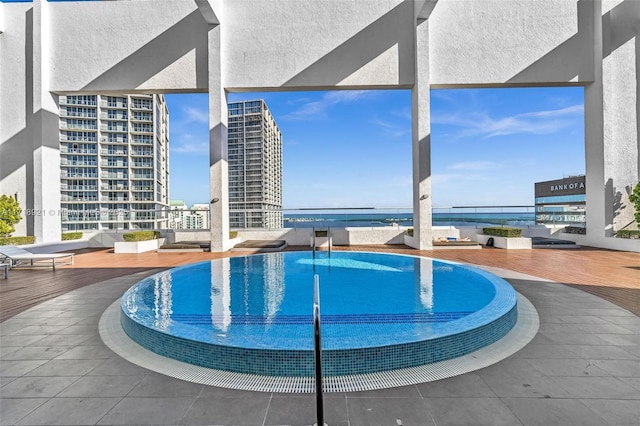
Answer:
[(317, 346), (329, 240)]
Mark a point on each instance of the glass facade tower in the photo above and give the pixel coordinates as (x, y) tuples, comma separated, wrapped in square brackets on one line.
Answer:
[(114, 160), (255, 166)]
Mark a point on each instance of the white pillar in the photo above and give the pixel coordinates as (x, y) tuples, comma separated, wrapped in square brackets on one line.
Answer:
[(421, 140), (46, 146), (218, 150), (596, 206)]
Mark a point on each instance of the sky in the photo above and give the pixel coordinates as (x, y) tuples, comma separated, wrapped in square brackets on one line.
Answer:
[(353, 148)]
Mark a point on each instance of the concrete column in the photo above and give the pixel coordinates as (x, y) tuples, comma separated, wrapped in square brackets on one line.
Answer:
[(421, 140), (596, 207), (44, 123), (218, 150)]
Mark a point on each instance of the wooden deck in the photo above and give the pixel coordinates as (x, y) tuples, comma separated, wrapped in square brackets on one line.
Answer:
[(612, 275)]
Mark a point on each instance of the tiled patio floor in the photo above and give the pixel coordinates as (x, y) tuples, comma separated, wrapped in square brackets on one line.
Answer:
[(583, 367)]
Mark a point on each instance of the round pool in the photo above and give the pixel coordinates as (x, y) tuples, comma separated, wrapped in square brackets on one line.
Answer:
[(254, 314)]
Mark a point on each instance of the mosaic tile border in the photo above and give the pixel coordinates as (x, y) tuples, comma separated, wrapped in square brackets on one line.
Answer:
[(522, 333)]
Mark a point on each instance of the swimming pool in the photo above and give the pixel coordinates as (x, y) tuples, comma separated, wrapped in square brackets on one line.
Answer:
[(253, 314)]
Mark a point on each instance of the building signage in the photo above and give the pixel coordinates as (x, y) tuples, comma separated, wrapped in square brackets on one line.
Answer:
[(568, 186)]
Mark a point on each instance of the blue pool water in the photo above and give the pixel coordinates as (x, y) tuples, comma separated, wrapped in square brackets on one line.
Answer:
[(254, 313)]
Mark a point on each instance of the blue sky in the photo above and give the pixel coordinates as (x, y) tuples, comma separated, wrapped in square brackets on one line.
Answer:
[(353, 148)]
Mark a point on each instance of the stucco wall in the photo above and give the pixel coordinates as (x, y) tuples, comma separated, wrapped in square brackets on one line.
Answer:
[(301, 44), (132, 45)]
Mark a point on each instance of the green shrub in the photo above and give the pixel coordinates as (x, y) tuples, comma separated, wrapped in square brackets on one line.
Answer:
[(575, 230), (410, 232), (635, 199), (141, 236), (10, 214), (71, 236), (233, 234), (503, 232), (17, 241), (628, 233)]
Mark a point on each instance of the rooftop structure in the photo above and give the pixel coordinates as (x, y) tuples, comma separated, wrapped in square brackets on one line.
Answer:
[(114, 160), (561, 201), (255, 166), (181, 46)]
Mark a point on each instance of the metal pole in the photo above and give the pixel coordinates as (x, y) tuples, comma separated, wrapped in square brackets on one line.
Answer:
[(317, 346)]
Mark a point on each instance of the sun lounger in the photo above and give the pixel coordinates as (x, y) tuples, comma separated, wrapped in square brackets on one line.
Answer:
[(18, 257)]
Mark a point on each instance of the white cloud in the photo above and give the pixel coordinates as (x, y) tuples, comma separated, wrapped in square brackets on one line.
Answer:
[(192, 114), (536, 122), (392, 128), (188, 145), (317, 109)]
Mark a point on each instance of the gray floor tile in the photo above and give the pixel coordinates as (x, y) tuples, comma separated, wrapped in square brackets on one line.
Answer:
[(467, 385), (148, 411), (303, 411), (620, 339), (38, 330), (634, 382), (574, 339), (546, 412), (560, 328), (400, 392), (66, 367), (70, 411), (18, 368), (604, 328), (227, 411), (37, 352), (509, 366), (14, 409), (79, 329), (388, 411), (88, 352), (581, 319), (36, 387), (39, 313), (545, 351), (602, 352), (631, 321), (101, 386), (66, 321), (616, 412), (6, 380), (597, 388), (471, 411), (157, 385), (217, 392), (620, 367), (524, 387), (19, 340), (5, 351), (118, 367), (62, 340), (567, 367)]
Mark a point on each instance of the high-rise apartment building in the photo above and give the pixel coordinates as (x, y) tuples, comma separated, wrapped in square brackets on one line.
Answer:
[(114, 159), (183, 217), (255, 166)]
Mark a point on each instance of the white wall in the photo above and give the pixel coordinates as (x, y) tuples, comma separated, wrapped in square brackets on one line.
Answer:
[(167, 45)]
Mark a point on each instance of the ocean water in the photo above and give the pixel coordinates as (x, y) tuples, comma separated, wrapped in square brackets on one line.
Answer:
[(339, 220)]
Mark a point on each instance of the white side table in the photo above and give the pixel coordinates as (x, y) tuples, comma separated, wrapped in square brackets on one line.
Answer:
[(6, 267)]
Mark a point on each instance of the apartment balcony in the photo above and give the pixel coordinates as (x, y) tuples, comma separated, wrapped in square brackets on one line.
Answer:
[(66, 150), (115, 188), (68, 198), (142, 188), (65, 187), (64, 101), (119, 105), (117, 199), (64, 113), (107, 163), (143, 118), (65, 162), (142, 153), (120, 129), (142, 165), (65, 138), (106, 175), (142, 177), (142, 129), (135, 141), (113, 140), (116, 117), (113, 152), (142, 106)]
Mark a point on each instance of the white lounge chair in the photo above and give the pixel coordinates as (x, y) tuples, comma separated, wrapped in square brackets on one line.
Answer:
[(18, 256)]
